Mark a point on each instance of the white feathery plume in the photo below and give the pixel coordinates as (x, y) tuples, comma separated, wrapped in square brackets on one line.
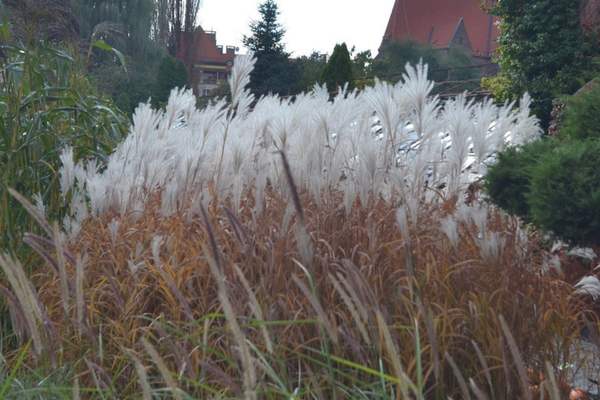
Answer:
[(449, 227), (67, 172), (491, 245), (526, 127), (113, 229), (585, 253), (156, 244), (240, 78), (402, 221), (38, 201), (485, 114), (391, 142), (590, 286)]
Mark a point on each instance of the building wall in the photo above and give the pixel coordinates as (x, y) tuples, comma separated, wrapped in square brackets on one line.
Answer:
[(208, 64)]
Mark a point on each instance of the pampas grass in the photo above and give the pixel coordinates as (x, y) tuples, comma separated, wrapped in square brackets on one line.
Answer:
[(306, 249)]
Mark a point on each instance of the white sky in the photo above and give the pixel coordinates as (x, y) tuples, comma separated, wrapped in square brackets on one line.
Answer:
[(310, 24)]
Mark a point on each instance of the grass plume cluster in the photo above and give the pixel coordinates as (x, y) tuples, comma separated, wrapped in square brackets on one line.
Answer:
[(306, 249)]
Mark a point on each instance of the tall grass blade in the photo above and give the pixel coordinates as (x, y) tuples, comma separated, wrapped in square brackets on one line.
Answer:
[(162, 368), (514, 350), (462, 384)]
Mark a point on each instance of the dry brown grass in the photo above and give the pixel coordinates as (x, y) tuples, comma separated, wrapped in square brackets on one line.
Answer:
[(237, 305)]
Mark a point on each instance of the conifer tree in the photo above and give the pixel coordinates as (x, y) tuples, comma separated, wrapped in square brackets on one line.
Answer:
[(338, 71), (273, 72)]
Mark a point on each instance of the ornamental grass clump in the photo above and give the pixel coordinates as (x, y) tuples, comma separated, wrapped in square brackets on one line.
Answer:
[(301, 249)]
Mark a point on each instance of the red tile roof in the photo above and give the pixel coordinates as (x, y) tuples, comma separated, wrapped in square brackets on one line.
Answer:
[(435, 21)]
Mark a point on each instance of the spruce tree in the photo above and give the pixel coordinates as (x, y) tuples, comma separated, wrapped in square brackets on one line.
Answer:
[(273, 72), (338, 71), (267, 33)]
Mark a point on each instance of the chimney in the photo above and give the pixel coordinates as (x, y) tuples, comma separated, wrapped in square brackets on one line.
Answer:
[(220, 48), (231, 50)]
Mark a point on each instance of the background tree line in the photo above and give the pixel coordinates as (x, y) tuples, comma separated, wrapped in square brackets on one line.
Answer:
[(147, 34)]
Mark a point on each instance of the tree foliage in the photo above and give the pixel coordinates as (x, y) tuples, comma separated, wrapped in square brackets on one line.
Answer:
[(273, 71), (339, 69), (267, 33), (171, 74), (444, 64), (393, 56), (124, 24), (138, 24), (362, 67), (310, 69), (542, 50), (34, 20), (181, 18)]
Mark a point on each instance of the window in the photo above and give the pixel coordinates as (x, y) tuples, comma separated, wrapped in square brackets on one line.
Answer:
[(209, 77)]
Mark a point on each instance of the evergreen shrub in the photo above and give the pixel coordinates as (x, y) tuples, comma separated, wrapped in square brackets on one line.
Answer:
[(564, 195), (507, 182), (582, 115)]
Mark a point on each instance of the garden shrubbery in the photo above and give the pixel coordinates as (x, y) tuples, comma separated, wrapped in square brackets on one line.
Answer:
[(581, 119), (554, 183), (508, 181), (564, 194)]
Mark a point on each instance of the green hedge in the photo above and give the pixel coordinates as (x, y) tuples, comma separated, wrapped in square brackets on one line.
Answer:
[(554, 183), (581, 119), (564, 195), (507, 182)]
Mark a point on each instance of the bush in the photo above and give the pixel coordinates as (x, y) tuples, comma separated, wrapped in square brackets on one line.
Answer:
[(499, 86), (582, 115), (507, 182), (553, 184), (565, 192)]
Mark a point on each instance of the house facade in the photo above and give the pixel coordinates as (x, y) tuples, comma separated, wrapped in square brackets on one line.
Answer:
[(208, 64)]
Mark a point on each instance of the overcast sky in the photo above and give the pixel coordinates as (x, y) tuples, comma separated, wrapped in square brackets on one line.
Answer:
[(310, 24)]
